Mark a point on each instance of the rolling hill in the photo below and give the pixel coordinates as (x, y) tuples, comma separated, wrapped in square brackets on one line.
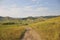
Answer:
[(47, 28)]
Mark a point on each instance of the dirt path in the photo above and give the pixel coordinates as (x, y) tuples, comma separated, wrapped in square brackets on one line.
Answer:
[(31, 34)]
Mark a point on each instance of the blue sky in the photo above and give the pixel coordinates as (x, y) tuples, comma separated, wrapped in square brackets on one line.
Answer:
[(24, 8)]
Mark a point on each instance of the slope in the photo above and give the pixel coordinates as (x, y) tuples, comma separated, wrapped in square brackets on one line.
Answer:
[(49, 29)]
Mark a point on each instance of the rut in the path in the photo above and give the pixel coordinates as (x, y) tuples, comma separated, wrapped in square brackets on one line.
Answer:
[(30, 34)]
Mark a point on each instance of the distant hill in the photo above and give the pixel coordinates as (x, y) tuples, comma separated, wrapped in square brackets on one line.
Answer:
[(24, 21), (32, 18)]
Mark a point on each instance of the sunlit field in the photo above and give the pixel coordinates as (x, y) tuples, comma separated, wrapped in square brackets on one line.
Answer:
[(47, 28)]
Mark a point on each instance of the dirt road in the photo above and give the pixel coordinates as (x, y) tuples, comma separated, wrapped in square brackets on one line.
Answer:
[(31, 34)]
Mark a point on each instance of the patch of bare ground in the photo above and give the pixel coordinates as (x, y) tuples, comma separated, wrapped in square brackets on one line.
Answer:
[(30, 34)]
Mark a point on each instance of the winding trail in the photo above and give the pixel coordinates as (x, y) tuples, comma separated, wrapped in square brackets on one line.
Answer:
[(31, 34)]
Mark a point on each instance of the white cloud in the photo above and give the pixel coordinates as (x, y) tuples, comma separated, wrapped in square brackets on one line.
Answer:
[(34, 0), (15, 11)]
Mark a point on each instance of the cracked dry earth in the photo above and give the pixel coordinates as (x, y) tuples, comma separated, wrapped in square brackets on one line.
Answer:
[(31, 34)]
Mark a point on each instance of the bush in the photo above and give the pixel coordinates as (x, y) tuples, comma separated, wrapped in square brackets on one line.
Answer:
[(9, 23)]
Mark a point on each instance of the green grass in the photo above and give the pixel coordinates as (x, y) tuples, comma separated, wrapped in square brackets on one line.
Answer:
[(12, 32), (48, 29)]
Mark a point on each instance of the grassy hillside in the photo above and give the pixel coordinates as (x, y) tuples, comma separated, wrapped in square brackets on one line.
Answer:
[(12, 32), (13, 29), (49, 29)]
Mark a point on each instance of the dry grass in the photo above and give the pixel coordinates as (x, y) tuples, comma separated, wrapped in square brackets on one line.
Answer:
[(11, 33), (49, 29)]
